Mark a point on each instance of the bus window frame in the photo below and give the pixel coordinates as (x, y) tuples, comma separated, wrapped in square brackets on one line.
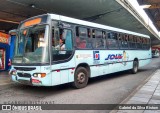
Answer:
[(88, 37), (35, 64), (102, 38), (116, 39)]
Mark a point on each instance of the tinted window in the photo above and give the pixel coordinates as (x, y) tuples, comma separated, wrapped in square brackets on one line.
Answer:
[(62, 46), (139, 43), (83, 40), (112, 40), (132, 44), (124, 41), (99, 41)]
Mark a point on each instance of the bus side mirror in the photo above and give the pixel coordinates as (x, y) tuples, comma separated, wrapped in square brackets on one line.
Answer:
[(13, 32)]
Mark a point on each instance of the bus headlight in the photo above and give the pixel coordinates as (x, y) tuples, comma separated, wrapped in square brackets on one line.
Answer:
[(39, 75), (35, 75), (12, 72)]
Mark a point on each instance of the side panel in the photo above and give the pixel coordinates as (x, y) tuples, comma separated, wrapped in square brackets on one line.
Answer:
[(101, 62), (109, 61), (63, 72)]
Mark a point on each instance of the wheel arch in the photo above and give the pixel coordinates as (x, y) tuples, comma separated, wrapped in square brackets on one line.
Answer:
[(85, 65)]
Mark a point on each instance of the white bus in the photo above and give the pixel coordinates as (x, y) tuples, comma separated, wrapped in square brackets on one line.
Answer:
[(89, 50)]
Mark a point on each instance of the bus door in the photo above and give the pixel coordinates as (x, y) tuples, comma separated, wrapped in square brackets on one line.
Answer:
[(62, 50), (2, 59)]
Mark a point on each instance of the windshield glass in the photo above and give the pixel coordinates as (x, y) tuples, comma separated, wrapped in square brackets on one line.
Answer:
[(32, 45)]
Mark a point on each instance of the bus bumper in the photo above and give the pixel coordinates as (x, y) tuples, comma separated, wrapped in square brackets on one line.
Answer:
[(32, 81)]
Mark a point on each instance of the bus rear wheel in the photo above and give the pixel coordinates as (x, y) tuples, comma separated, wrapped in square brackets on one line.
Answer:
[(135, 67), (80, 78)]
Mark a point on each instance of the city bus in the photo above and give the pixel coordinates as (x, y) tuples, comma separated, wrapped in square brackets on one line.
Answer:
[(91, 50)]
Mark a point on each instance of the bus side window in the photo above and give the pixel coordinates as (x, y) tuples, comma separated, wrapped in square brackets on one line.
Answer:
[(104, 39), (81, 37), (67, 34), (138, 43), (89, 39), (99, 42), (93, 37), (135, 41), (143, 45), (112, 40), (131, 44), (141, 42), (65, 41), (62, 47), (148, 43), (119, 36), (124, 43)]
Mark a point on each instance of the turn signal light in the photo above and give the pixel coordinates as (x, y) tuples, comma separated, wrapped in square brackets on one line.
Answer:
[(43, 75)]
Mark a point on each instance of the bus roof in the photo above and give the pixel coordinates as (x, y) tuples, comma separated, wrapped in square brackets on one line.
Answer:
[(91, 24), (86, 23)]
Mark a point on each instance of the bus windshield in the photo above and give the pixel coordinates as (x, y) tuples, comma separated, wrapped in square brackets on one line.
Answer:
[(32, 45)]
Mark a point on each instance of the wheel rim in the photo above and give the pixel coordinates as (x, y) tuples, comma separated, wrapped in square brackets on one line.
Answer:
[(81, 78)]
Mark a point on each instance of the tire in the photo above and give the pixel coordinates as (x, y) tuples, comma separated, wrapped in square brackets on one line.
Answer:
[(80, 78), (135, 67)]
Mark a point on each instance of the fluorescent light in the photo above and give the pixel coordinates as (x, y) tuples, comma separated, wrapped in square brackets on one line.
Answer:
[(145, 6), (9, 21)]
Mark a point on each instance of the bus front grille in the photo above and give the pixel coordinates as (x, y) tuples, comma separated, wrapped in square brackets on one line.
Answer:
[(27, 75), (25, 68)]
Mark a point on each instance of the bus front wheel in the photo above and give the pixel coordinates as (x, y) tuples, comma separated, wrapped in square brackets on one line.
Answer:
[(135, 67), (80, 78)]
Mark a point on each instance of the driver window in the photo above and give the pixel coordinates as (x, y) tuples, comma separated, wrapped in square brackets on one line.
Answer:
[(62, 45), (64, 42)]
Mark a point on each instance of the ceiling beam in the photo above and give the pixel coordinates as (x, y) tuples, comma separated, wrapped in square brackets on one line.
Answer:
[(150, 1), (9, 21)]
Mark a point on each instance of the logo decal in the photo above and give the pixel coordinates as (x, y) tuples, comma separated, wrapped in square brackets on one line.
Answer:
[(114, 58), (96, 55), (125, 58)]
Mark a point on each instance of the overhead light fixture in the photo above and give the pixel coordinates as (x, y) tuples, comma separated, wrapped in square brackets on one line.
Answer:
[(32, 5), (145, 6)]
